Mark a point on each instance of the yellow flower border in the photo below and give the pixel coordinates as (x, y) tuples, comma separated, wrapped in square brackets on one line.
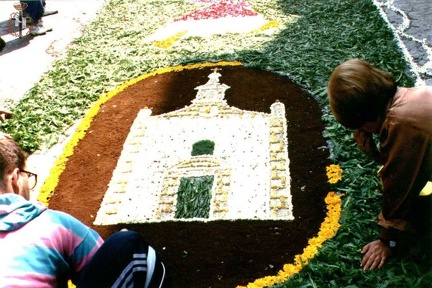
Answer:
[(328, 227), (327, 230), (334, 173)]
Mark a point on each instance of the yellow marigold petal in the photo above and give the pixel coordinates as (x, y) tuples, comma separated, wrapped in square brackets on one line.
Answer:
[(334, 173), (166, 43), (268, 25), (315, 241), (290, 269)]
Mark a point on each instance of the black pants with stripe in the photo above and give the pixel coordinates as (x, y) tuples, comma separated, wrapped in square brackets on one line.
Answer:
[(126, 259)]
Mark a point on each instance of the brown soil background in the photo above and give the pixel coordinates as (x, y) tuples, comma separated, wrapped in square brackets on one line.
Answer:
[(220, 253)]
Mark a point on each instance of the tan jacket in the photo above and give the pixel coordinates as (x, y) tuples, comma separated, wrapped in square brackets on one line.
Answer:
[(405, 152)]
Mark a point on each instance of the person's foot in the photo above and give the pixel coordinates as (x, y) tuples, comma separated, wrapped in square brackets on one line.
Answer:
[(39, 29), (49, 12), (2, 44)]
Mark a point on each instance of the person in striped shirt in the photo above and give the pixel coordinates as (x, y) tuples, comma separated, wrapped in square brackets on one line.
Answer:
[(41, 247)]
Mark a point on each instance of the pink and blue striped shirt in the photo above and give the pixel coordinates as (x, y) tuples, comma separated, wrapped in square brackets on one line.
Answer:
[(40, 247)]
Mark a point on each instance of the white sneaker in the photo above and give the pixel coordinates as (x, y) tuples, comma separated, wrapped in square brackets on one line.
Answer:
[(39, 29)]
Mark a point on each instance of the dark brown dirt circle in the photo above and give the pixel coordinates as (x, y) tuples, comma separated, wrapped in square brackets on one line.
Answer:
[(220, 253)]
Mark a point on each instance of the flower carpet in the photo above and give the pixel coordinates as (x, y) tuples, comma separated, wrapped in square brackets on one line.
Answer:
[(143, 57), (200, 254)]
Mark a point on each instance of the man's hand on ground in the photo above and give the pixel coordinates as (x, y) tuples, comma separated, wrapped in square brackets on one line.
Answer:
[(376, 254)]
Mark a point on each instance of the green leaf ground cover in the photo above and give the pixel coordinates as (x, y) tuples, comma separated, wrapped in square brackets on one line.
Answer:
[(316, 36)]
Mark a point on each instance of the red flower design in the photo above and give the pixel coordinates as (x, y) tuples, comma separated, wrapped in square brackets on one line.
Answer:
[(220, 9)]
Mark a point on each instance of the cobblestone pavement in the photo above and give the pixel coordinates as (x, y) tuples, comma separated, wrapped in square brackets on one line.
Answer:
[(412, 25)]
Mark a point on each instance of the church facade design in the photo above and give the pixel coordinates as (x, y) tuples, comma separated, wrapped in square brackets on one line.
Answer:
[(207, 161)]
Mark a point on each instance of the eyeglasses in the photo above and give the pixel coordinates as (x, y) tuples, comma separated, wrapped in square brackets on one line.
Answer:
[(32, 178)]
